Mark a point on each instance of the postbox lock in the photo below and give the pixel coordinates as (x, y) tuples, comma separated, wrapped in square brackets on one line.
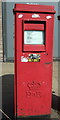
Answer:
[(20, 15)]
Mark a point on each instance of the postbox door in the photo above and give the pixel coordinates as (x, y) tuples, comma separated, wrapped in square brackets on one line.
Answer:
[(34, 32), (33, 78)]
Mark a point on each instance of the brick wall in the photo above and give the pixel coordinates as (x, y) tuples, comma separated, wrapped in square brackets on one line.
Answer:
[(1, 46)]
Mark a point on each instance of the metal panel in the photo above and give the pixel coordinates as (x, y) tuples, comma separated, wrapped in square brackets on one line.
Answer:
[(9, 18), (59, 30), (8, 30), (4, 30)]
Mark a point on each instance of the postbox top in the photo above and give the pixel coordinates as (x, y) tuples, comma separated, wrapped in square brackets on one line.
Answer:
[(34, 8)]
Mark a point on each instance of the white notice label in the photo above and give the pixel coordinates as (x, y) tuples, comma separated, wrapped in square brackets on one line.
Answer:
[(33, 37)]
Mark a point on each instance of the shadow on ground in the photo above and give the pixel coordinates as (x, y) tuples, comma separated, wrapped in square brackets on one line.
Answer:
[(8, 98), (56, 102), (8, 94)]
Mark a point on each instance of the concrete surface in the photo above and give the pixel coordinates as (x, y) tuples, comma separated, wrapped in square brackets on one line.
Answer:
[(7, 73)]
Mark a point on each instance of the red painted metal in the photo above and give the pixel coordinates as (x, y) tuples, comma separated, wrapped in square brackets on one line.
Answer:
[(33, 26), (33, 80), (34, 48), (34, 8)]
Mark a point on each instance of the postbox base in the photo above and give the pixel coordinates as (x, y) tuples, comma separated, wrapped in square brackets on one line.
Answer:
[(41, 117)]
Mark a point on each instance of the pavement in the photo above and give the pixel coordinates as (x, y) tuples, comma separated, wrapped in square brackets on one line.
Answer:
[(7, 73)]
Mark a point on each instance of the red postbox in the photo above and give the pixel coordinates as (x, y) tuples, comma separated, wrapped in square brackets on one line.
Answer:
[(33, 59)]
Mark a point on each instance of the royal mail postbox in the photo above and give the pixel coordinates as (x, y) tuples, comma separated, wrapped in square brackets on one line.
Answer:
[(33, 59)]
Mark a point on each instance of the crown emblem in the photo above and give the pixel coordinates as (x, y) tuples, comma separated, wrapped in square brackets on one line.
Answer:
[(34, 85)]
